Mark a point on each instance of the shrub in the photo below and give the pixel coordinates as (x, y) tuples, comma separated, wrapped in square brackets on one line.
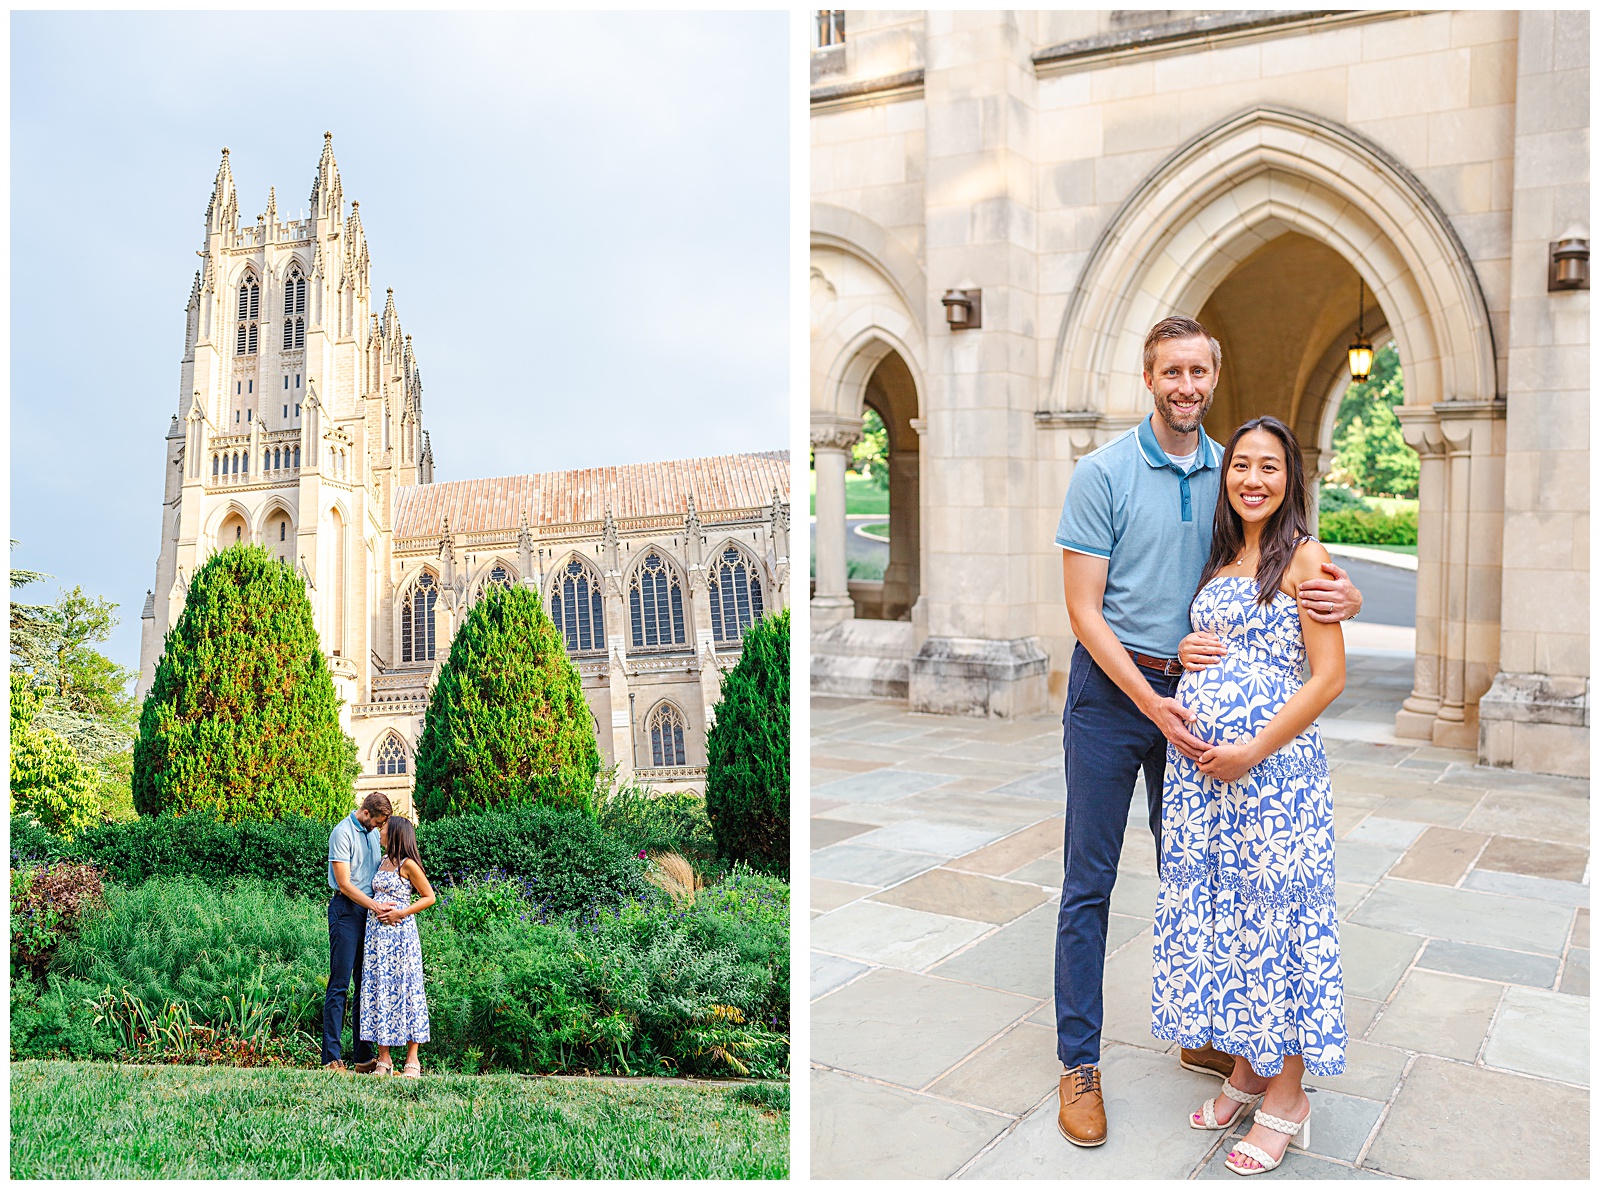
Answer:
[(747, 775), (48, 904), (1338, 497), (291, 854), (242, 719), (507, 722), (47, 778), (1368, 528), (666, 822), (571, 863)]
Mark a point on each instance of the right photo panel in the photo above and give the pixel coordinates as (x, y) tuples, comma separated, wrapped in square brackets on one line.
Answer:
[(1200, 607)]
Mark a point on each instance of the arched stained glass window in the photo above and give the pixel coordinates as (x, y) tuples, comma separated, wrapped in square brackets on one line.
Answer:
[(666, 737), (735, 590), (578, 609), (655, 602), (499, 576), (392, 757), (416, 620)]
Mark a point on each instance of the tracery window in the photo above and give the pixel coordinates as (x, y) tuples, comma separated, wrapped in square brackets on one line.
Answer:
[(249, 314), (577, 607), (416, 620), (498, 577), (655, 602), (392, 757), (666, 737), (735, 591), (294, 308)]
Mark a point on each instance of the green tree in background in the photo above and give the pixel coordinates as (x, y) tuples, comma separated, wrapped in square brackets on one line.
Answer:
[(242, 719), (82, 697), (869, 458), (47, 778), (507, 721), (1370, 451), (747, 752)]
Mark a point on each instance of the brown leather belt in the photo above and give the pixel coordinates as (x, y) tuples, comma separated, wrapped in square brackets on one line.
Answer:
[(1171, 669)]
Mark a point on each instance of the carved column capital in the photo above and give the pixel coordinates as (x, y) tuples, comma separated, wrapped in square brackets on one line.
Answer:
[(835, 433)]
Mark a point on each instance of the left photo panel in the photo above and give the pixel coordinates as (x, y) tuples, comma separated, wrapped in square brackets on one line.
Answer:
[(400, 588)]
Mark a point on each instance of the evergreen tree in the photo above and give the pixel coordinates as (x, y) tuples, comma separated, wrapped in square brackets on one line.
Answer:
[(242, 720), (507, 721), (47, 779), (747, 776)]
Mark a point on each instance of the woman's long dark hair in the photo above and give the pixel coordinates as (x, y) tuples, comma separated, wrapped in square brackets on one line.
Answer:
[(402, 842), (1282, 534)]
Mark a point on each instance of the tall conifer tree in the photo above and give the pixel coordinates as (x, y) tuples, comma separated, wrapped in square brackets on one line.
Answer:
[(507, 721), (747, 774), (242, 720)]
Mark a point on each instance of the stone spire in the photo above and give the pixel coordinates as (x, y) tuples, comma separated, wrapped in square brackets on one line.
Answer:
[(327, 194), (222, 212), (272, 205), (608, 542), (693, 539)]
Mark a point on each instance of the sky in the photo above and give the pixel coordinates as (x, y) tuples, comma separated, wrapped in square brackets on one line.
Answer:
[(584, 218)]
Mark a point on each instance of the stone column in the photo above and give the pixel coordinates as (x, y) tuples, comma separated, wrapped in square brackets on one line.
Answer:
[(1421, 429), (831, 440), (1536, 714), (900, 577)]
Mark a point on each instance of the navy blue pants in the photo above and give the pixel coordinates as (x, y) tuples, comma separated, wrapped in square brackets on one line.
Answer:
[(347, 936), (1107, 743)]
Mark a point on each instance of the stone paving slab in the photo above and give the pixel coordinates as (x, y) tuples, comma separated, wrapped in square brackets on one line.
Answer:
[(884, 785), (866, 1130), (867, 1026), (1464, 942), (1436, 1126)]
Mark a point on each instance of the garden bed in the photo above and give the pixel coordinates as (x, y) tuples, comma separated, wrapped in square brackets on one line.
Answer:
[(106, 1120)]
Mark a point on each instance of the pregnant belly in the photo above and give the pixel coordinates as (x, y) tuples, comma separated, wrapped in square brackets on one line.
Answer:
[(1235, 700)]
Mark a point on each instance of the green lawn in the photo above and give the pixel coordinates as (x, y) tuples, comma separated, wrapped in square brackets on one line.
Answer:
[(1393, 504), (860, 496), (103, 1120), (881, 529)]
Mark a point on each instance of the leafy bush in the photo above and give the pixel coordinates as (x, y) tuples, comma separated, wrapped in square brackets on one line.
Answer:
[(48, 903), (571, 862), (1368, 528), (647, 821), (747, 750), (1338, 497), (507, 721), (242, 719), (291, 854), (180, 970), (47, 778)]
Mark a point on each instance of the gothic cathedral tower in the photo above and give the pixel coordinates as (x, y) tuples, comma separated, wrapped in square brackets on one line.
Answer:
[(299, 415)]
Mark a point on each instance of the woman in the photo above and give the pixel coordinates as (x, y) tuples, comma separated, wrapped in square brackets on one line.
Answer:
[(394, 1008), (1247, 940)]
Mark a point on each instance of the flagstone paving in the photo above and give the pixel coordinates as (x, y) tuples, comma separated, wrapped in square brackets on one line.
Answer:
[(1463, 896)]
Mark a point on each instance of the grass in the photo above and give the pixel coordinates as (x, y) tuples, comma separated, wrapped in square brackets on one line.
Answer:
[(879, 529), (103, 1120), (1393, 504), (861, 496)]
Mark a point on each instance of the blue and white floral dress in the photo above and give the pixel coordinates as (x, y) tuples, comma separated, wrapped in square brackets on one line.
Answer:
[(1246, 933), (394, 1007)]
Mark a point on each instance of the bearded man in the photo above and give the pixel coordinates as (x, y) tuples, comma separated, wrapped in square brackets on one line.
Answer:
[(1135, 532)]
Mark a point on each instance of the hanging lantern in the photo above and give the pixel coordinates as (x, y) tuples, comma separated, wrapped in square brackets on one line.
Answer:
[(1360, 351)]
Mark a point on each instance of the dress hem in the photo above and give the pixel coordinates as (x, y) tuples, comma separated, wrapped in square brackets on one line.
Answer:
[(1266, 1065)]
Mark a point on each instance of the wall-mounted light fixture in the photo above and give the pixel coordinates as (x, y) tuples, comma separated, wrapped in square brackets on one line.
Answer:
[(963, 308), (1360, 351), (1569, 264)]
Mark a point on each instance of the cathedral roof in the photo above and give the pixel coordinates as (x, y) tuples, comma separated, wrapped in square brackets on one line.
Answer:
[(632, 491)]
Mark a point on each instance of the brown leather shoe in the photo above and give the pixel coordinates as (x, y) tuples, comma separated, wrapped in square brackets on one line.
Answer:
[(366, 1067), (1207, 1061), (336, 1067), (1082, 1118)]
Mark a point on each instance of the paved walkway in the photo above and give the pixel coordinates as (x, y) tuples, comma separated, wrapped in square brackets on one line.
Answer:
[(936, 869)]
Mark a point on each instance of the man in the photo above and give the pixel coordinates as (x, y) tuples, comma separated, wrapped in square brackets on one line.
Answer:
[(354, 852), (1135, 532)]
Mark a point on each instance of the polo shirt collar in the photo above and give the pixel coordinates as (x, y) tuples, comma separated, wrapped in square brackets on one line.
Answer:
[(1209, 455)]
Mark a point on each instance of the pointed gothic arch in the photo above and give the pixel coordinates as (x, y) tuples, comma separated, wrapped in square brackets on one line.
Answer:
[(416, 617), (248, 313), (390, 755), (576, 599), (496, 571), (737, 590), (656, 600), (667, 726), (294, 307)]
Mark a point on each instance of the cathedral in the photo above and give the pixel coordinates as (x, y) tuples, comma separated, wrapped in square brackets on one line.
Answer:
[(299, 428)]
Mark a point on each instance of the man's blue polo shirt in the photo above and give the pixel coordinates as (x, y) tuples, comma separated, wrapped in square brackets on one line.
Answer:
[(1130, 504), (355, 845)]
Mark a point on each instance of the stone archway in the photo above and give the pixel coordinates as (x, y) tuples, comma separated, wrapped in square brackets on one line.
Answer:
[(1229, 211)]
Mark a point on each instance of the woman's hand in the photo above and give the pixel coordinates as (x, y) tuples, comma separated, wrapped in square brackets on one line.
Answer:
[(1227, 762), (1201, 650), (388, 913)]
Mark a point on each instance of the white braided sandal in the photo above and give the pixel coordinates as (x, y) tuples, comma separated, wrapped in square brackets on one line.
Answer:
[(1298, 1132), (1208, 1109)]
